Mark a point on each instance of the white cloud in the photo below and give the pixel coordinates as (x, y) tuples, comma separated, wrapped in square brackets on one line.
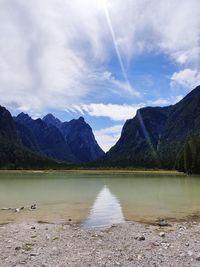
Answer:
[(188, 78), (119, 112), (108, 137), (113, 111), (160, 102), (54, 53)]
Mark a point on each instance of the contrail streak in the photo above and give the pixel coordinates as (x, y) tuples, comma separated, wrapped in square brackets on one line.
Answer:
[(116, 46)]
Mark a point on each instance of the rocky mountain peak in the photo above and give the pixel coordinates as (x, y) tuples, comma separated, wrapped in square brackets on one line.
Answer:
[(49, 119)]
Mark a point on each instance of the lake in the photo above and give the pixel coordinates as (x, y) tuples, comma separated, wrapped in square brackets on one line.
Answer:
[(96, 199)]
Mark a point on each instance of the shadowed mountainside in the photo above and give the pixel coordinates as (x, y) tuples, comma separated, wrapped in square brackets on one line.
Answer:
[(42, 138), (13, 154), (79, 138), (155, 136)]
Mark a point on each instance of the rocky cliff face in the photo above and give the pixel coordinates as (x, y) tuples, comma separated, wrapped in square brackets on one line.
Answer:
[(42, 138), (79, 137), (154, 137)]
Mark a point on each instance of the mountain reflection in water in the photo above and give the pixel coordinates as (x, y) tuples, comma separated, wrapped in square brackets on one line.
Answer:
[(105, 211)]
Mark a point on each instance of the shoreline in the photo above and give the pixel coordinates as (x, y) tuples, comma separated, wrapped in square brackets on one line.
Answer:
[(96, 171), (126, 244)]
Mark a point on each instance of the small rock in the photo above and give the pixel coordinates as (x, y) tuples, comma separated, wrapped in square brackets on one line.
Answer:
[(187, 244), (17, 210), (190, 253), (182, 228), (165, 245), (34, 254), (33, 227), (163, 223), (156, 244), (130, 258), (198, 257), (33, 207), (70, 220), (22, 208), (139, 257), (162, 234), (141, 238)]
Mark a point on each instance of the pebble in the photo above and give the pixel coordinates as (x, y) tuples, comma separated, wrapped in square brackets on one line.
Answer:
[(156, 244), (162, 234), (33, 207), (165, 245), (163, 223), (141, 238), (34, 254), (190, 253), (198, 257), (84, 250)]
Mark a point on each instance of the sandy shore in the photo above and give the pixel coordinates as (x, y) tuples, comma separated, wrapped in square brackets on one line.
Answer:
[(128, 244)]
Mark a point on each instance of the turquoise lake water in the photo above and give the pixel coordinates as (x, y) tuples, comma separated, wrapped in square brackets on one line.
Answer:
[(98, 199)]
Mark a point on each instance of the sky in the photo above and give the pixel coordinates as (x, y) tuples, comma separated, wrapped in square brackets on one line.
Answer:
[(100, 59)]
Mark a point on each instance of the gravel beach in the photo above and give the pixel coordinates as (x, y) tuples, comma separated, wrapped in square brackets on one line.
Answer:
[(128, 244)]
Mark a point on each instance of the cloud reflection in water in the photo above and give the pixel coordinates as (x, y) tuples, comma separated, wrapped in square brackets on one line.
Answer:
[(105, 211)]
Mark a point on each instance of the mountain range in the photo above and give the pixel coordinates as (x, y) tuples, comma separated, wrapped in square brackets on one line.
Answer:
[(157, 137), (47, 139)]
